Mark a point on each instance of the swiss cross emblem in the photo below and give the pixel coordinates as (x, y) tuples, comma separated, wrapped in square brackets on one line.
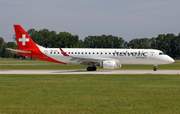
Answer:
[(23, 39)]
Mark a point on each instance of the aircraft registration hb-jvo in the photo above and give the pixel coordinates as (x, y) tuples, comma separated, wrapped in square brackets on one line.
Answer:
[(105, 58)]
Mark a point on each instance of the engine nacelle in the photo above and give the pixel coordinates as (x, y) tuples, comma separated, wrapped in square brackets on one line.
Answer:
[(109, 64)]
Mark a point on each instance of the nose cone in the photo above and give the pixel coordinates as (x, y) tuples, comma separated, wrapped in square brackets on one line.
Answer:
[(171, 60)]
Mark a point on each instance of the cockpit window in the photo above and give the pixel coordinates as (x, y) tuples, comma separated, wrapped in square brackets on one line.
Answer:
[(162, 53)]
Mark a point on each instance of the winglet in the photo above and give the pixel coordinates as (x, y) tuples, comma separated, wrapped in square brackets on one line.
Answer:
[(63, 52)]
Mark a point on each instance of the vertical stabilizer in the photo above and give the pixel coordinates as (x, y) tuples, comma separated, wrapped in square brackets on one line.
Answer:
[(23, 40)]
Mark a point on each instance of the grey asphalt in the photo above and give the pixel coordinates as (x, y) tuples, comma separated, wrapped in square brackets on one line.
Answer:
[(89, 72)]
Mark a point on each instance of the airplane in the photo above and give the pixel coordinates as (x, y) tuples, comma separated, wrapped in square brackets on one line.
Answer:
[(105, 58)]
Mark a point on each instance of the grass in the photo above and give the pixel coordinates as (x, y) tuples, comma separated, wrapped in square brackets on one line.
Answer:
[(87, 94), (14, 64), (20, 61), (50, 66)]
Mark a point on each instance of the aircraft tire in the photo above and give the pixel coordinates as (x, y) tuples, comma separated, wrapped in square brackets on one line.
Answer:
[(155, 69), (91, 68), (88, 68), (94, 68)]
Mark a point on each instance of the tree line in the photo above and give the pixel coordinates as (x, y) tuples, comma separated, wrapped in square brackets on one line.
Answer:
[(168, 43)]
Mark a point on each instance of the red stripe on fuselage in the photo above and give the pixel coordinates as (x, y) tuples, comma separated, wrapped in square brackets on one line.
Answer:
[(36, 53)]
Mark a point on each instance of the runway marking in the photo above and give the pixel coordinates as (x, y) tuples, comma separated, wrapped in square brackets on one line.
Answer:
[(89, 72)]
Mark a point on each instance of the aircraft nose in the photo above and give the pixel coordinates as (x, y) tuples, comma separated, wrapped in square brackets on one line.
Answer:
[(171, 60)]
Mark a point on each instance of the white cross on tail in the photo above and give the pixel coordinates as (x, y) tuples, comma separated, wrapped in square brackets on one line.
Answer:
[(23, 39)]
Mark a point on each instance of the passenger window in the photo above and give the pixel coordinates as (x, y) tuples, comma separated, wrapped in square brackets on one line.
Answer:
[(109, 53), (82, 53), (101, 53), (58, 52), (54, 52), (105, 53), (71, 52), (78, 52), (68, 52), (97, 53), (89, 52), (50, 52), (85, 52), (75, 52), (93, 52)]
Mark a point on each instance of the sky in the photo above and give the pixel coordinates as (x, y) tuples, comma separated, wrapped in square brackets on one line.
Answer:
[(128, 19)]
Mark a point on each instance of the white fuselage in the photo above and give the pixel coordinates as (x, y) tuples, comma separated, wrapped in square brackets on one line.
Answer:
[(124, 56), (105, 58)]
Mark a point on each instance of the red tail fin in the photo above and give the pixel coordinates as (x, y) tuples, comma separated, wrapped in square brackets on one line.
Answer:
[(23, 39)]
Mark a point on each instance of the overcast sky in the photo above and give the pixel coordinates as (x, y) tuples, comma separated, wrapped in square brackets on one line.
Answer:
[(128, 19)]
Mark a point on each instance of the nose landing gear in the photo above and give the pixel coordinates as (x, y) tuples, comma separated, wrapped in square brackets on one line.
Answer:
[(155, 67)]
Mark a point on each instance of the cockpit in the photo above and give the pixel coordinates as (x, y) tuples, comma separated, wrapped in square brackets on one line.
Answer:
[(162, 53)]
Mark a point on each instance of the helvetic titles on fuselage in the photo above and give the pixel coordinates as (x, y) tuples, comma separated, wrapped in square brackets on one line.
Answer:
[(138, 55)]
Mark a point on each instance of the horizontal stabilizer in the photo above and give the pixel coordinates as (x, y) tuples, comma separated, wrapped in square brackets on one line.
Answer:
[(20, 51)]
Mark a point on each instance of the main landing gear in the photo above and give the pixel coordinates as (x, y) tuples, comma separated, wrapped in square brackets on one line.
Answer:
[(91, 68), (155, 67)]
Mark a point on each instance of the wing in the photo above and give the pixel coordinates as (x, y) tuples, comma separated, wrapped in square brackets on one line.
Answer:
[(87, 59), (16, 51)]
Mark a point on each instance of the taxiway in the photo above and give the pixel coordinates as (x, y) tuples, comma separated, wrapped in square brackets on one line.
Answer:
[(89, 72)]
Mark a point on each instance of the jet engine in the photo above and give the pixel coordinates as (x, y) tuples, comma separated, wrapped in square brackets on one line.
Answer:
[(110, 65)]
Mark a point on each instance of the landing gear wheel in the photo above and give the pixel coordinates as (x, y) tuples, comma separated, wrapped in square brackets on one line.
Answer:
[(88, 68), (91, 68), (94, 68), (155, 69)]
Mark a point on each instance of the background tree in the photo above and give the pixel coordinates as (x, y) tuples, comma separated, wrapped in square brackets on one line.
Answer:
[(104, 41), (153, 43), (175, 47), (142, 43), (134, 43), (3, 45)]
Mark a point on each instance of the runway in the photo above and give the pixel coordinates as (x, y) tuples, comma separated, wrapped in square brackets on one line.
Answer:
[(89, 72)]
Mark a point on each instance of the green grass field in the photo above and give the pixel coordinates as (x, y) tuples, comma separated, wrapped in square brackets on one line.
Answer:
[(12, 64), (89, 94)]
